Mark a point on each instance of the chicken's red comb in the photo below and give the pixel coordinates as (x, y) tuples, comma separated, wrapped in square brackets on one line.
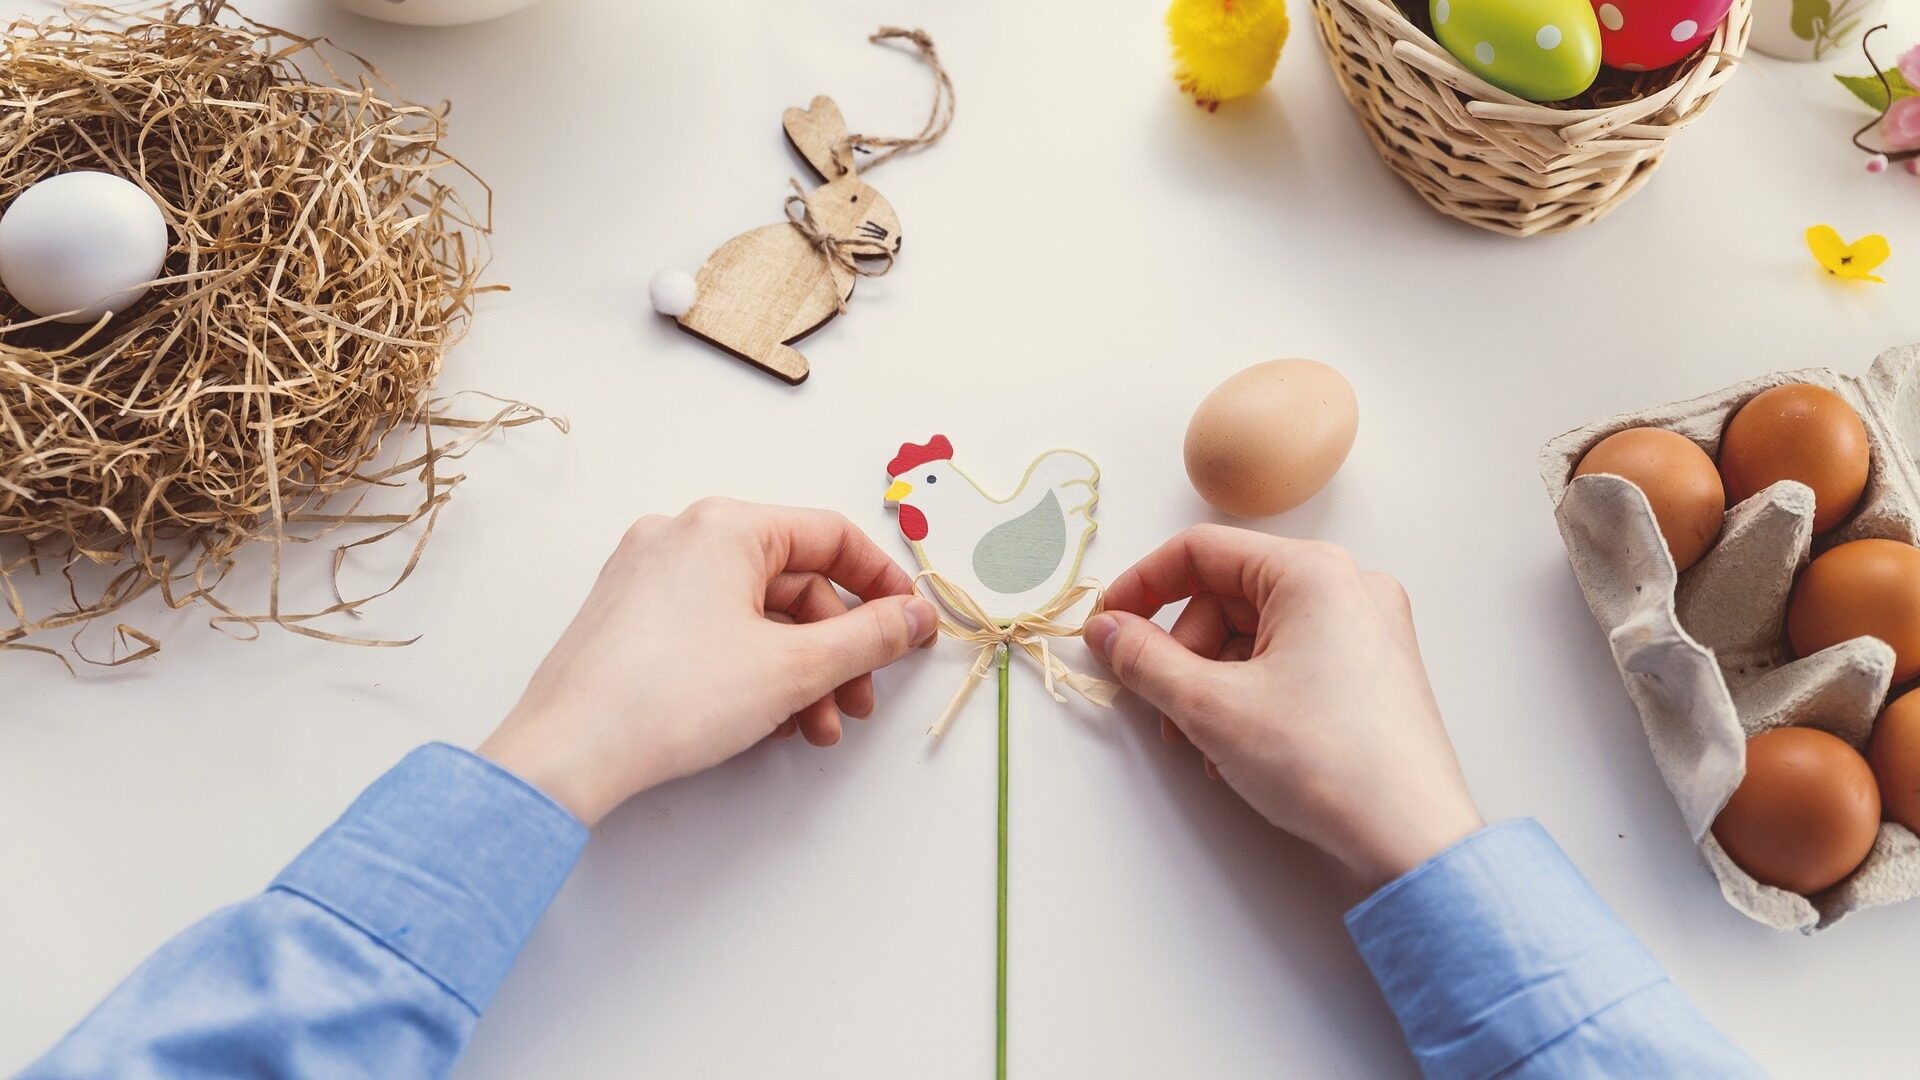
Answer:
[(914, 455)]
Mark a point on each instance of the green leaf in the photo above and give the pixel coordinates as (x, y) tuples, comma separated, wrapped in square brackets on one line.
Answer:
[(1868, 89)]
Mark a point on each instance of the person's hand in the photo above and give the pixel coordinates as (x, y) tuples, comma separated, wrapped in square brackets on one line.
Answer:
[(704, 634), (1298, 677)]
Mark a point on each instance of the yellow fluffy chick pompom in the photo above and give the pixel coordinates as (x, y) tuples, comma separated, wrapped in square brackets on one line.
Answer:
[(1224, 49)]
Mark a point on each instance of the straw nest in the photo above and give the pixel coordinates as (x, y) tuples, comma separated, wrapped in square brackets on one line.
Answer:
[(279, 369)]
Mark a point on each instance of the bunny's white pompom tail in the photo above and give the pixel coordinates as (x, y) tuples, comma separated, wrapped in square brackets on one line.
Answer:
[(672, 292)]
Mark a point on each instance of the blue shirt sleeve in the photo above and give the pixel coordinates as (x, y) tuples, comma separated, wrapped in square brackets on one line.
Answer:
[(371, 955), (1500, 961)]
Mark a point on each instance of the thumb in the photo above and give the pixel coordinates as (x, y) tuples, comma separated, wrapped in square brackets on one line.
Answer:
[(1149, 662), (870, 636)]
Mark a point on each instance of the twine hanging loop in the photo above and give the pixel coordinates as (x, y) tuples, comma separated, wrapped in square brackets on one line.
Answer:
[(861, 256), (939, 118)]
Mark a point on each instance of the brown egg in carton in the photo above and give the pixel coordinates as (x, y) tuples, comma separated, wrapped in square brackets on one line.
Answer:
[(1704, 653)]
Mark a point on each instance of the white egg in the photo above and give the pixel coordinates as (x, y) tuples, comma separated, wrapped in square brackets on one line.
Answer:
[(84, 243)]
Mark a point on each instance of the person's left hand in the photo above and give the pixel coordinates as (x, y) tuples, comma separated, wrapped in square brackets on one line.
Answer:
[(679, 659)]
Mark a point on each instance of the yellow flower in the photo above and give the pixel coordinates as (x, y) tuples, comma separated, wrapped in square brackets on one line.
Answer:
[(1848, 262)]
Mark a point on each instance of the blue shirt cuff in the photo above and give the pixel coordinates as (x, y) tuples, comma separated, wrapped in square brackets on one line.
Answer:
[(448, 860), (1494, 948)]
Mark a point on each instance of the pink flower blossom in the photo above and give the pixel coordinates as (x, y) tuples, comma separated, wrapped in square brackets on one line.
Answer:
[(1910, 66), (1902, 125)]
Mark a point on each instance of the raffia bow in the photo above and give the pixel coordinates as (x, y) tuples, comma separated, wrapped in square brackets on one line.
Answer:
[(846, 252), (1029, 633)]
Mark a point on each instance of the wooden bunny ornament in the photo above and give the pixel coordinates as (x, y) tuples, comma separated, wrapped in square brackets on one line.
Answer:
[(764, 289)]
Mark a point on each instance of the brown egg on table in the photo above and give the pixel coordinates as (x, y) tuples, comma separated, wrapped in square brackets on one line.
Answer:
[(1798, 432), (1678, 479), (1867, 588), (1895, 757), (1806, 813), (1270, 437)]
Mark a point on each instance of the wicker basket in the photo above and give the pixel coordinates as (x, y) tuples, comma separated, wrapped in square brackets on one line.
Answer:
[(1479, 154)]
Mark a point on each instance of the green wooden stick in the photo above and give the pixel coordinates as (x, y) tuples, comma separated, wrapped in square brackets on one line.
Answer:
[(1000, 974)]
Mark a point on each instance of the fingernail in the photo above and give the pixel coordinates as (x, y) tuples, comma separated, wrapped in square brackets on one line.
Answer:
[(1099, 634), (922, 621)]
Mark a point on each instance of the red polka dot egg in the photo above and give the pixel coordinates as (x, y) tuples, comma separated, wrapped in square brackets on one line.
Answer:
[(1641, 35)]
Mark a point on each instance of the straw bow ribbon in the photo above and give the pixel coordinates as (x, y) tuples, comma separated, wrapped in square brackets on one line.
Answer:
[(1029, 633), (842, 251)]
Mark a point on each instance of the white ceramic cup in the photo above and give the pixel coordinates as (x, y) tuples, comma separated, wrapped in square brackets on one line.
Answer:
[(433, 12), (1812, 29)]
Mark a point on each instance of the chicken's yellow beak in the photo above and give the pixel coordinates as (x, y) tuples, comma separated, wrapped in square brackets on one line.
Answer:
[(900, 490)]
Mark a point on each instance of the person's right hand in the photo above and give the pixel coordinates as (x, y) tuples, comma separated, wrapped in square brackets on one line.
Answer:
[(1298, 676)]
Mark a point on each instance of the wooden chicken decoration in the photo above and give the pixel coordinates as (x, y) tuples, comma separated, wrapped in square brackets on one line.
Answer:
[(765, 289), (1007, 571)]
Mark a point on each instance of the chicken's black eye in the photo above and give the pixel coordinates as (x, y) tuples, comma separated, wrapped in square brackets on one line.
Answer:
[(853, 198), (931, 479)]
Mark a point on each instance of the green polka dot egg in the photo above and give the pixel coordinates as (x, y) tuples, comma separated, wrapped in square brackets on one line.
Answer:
[(1541, 50)]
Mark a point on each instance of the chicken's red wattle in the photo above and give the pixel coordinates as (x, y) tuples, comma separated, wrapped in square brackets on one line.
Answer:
[(913, 524)]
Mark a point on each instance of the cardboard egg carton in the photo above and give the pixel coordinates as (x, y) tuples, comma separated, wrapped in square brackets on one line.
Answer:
[(1704, 653)]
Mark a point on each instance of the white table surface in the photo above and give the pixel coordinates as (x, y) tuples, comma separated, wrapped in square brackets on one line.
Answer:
[(1087, 255)]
